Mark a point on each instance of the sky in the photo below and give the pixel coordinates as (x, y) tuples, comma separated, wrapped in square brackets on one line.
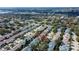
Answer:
[(39, 3)]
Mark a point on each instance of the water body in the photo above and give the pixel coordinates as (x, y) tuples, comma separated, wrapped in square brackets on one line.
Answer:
[(70, 11)]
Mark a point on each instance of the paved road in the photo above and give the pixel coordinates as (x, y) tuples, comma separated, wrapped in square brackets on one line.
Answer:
[(36, 39), (19, 45), (13, 37)]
